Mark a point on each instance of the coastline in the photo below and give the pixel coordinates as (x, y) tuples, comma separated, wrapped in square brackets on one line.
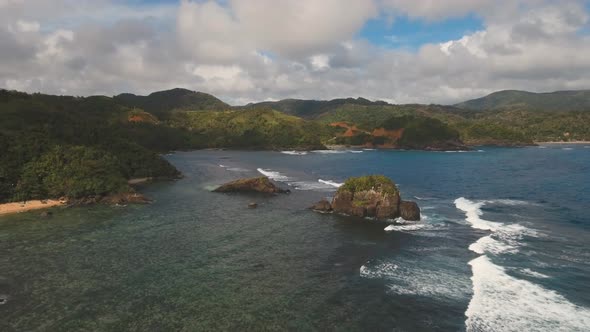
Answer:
[(18, 207), (572, 142)]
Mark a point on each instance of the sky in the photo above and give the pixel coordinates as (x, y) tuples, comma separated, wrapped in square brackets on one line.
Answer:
[(400, 51)]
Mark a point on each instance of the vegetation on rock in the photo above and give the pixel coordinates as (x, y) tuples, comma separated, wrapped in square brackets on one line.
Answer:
[(370, 182)]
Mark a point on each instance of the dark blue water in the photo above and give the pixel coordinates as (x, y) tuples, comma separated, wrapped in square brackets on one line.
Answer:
[(503, 246)]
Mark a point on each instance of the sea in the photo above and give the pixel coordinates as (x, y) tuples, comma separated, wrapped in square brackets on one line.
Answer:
[(503, 245)]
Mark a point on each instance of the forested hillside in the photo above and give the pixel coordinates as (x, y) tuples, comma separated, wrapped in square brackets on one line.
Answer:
[(54, 146)]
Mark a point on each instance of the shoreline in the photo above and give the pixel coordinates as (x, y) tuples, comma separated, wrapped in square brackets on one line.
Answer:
[(19, 207), (572, 142)]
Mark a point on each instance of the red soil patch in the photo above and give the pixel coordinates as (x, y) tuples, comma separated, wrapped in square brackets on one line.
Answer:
[(351, 130), (392, 134), (142, 118)]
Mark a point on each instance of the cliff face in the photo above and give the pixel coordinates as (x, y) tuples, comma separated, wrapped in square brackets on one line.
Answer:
[(372, 196)]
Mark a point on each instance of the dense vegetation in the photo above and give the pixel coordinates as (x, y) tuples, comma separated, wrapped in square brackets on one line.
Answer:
[(71, 146), (53, 146), (56, 146), (421, 131), (368, 182), (252, 129), (405, 132), (559, 101), (161, 103), (310, 109)]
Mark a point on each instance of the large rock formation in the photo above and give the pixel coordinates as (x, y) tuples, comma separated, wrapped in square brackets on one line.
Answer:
[(252, 185), (373, 196)]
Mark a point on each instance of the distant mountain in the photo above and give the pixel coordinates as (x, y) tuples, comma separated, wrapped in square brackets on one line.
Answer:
[(559, 101), (162, 102)]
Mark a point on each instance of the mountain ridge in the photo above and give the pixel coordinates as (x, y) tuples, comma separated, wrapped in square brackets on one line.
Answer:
[(556, 101)]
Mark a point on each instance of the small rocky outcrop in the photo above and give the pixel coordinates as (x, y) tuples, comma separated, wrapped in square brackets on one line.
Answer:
[(374, 196), (125, 198), (252, 185), (322, 206), (46, 214), (409, 210)]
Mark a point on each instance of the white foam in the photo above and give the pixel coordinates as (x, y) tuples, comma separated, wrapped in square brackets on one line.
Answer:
[(423, 198), (407, 279), (473, 212), (404, 228), (310, 185), (534, 274), (487, 244), (336, 151), (503, 303), (508, 202), (567, 149), (329, 151), (222, 166), (237, 169), (295, 153), (331, 183), (381, 271), (273, 175)]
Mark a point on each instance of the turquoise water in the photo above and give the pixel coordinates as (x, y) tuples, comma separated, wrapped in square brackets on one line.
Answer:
[(503, 246)]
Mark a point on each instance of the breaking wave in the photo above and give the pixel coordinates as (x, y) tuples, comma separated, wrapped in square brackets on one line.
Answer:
[(331, 183), (277, 176), (501, 302), (297, 184), (295, 153), (336, 151)]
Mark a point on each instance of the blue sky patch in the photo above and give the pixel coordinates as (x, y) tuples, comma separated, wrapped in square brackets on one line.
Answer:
[(410, 33)]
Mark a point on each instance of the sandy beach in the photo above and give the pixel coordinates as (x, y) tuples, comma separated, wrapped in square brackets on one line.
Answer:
[(18, 207)]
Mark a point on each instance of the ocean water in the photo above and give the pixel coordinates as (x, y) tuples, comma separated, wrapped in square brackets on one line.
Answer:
[(503, 246)]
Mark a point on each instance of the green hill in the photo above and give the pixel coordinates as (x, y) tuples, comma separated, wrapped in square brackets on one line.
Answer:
[(559, 101), (39, 134), (162, 102)]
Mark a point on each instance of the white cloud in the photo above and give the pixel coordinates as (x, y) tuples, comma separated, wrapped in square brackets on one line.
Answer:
[(28, 26), (253, 50), (320, 62)]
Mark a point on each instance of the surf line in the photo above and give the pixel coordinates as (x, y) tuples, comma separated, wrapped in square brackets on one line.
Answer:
[(501, 302)]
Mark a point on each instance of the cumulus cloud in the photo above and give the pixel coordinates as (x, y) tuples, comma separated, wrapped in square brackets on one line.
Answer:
[(252, 50)]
